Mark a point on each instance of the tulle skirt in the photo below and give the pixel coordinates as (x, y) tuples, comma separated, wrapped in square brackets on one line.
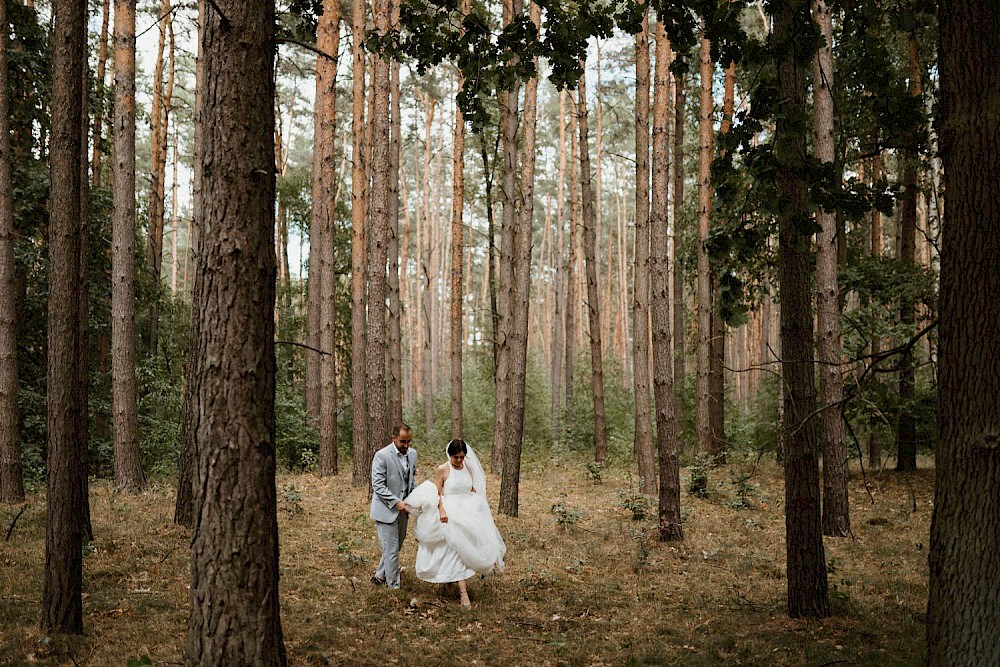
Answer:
[(468, 544)]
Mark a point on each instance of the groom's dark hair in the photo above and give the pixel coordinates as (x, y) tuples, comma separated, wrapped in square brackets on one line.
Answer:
[(402, 426), (456, 446)]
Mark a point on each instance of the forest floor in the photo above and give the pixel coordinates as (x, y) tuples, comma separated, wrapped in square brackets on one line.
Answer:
[(585, 583)]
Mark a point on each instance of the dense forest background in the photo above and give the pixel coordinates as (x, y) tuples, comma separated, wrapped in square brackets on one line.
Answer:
[(661, 238)]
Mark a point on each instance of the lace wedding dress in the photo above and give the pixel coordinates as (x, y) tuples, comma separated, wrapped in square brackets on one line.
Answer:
[(469, 543)]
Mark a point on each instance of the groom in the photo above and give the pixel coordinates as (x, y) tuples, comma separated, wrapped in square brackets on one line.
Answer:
[(394, 474)]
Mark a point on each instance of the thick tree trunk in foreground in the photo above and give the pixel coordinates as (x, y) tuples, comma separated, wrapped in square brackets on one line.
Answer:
[(593, 303), (83, 305), (62, 603), (324, 169), (507, 425), (669, 504), (836, 515), (234, 551), (806, 562), (359, 214), (128, 466), (962, 613), (11, 474), (640, 298)]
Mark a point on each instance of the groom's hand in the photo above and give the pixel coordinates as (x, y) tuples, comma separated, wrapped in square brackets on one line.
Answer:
[(402, 507)]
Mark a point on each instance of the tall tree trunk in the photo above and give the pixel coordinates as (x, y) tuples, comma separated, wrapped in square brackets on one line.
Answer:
[(906, 433), (572, 260), (83, 305), (324, 162), (640, 299), (359, 196), (235, 615), (590, 254), (457, 240), (62, 603), (507, 424), (703, 426), (102, 63), (160, 116), (836, 515), (877, 241), (558, 320), (379, 430), (425, 255), (807, 585), (184, 507), (11, 473), (176, 228), (395, 363), (677, 248), (325, 86), (129, 477), (717, 352), (962, 613), (669, 501)]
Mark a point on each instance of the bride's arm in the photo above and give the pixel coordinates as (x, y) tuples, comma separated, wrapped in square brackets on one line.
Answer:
[(439, 477)]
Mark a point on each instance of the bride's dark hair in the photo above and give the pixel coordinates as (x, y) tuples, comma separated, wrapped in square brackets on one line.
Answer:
[(456, 446)]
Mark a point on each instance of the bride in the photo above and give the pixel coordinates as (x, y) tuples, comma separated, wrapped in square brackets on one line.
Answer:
[(454, 527)]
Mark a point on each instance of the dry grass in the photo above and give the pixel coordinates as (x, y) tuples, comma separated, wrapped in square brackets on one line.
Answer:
[(601, 593)]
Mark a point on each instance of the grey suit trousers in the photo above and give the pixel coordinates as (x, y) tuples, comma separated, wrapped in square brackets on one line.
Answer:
[(391, 536)]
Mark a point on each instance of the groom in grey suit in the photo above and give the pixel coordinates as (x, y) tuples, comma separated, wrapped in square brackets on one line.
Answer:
[(394, 474)]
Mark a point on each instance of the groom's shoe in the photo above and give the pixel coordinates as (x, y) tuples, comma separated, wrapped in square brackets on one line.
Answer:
[(377, 582)]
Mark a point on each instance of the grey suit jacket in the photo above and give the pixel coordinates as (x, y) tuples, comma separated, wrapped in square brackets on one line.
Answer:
[(389, 483)]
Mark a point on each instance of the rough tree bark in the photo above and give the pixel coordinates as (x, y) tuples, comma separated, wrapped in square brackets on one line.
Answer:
[(836, 516), (457, 240), (129, 477), (506, 288), (806, 562), (234, 551), (669, 501), (324, 162), (359, 195), (379, 430), (62, 603), (590, 257), (962, 613), (11, 473), (395, 367), (640, 298)]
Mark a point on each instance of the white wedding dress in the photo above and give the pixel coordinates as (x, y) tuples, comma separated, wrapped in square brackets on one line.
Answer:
[(469, 543)]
